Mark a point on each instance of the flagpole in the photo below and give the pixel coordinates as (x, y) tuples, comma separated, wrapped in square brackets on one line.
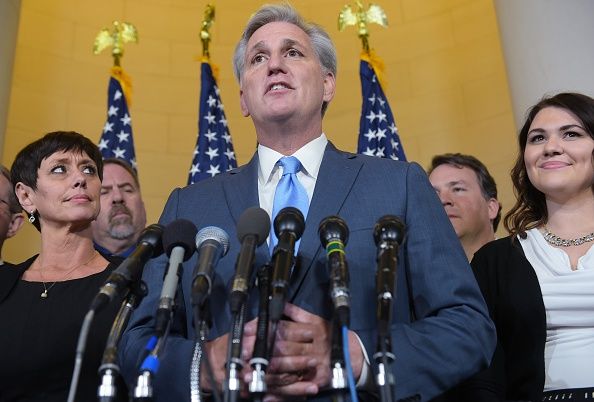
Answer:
[(378, 134), (213, 153), (116, 139)]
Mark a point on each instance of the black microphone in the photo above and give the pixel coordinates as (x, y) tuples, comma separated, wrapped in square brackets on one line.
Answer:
[(288, 227), (178, 243), (252, 230), (334, 235), (389, 233), (212, 244), (130, 270)]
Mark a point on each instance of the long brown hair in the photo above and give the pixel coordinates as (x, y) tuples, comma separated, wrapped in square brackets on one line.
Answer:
[(530, 209)]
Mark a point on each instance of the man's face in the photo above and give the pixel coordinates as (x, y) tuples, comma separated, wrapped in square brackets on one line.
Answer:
[(460, 194), (122, 213), (9, 222), (282, 77)]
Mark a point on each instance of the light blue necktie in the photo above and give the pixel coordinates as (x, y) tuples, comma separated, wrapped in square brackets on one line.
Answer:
[(289, 193)]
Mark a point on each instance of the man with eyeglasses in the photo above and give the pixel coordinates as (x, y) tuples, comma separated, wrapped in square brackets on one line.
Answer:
[(11, 217)]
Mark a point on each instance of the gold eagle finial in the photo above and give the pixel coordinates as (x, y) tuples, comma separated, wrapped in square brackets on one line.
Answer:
[(360, 18), (123, 32), (209, 16)]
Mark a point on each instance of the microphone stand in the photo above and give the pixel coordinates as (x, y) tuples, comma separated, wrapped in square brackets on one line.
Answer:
[(202, 323), (384, 356), (260, 359), (384, 359), (337, 364), (149, 367), (109, 369), (234, 363)]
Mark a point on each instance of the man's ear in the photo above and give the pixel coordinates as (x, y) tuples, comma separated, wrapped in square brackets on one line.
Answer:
[(493, 207), (16, 221), (329, 87), (243, 105)]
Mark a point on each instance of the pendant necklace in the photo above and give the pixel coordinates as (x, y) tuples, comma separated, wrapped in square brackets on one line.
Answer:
[(46, 288)]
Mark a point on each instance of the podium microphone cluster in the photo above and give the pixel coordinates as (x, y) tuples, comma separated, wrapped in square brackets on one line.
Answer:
[(178, 243), (334, 235), (130, 270), (212, 244), (289, 225), (252, 230)]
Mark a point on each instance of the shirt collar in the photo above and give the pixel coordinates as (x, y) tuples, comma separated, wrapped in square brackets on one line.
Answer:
[(108, 253), (310, 155)]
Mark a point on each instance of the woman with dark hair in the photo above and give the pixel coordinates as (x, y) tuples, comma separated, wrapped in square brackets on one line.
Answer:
[(57, 180), (539, 282)]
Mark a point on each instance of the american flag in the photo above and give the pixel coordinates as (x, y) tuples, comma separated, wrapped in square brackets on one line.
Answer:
[(116, 140), (214, 150), (378, 135)]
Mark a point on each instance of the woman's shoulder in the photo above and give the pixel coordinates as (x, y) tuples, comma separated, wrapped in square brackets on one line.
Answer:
[(499, 247)]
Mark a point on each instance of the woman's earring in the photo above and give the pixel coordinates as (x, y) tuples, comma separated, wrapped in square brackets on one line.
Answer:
[(31, 216)]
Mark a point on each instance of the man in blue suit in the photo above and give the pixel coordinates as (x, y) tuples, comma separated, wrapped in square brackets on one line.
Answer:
[(440, 329)]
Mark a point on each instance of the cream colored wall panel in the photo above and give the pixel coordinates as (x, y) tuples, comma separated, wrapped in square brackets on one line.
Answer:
[(486, 98), (415, 9), (474, 21), (85, 119), (47, 32), (150, 132), (35, 111), (83, 11), (183, 130), (184, 60), (424, 36)]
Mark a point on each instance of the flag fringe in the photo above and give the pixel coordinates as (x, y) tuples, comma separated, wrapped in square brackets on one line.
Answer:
[(125, 81), (377, 64)]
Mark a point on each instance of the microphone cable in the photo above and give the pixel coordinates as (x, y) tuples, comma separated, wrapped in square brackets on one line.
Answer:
[(80, 351), (349, 367)]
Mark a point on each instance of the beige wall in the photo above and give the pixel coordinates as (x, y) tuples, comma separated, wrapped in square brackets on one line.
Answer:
[(447, 84)]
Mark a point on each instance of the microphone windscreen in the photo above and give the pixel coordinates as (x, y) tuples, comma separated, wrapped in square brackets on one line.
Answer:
[(152, 235), (180, 233), (389, 228), (333, 228), (254, 221), (213, 233), (289, 219)]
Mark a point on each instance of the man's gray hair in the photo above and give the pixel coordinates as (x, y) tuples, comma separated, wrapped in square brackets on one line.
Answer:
[(268, 13)]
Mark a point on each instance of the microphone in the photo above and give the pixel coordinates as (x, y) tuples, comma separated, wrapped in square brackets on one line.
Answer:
[(288, 227), (212, 244), (389, 233), (252, 230), (178, 243), (130, 270), (334, 235)]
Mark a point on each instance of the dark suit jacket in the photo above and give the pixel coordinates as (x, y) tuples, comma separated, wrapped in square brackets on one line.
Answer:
[(512, 292), (451, 337)]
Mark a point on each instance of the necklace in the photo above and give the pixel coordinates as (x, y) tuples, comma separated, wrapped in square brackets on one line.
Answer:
[(559, 242), (46, 289)]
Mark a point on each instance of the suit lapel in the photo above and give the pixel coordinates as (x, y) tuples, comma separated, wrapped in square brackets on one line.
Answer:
[(337, 175), (241, 192)]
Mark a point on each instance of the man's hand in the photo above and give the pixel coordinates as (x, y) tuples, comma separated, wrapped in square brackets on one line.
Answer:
[(217, 356), (300, 363)]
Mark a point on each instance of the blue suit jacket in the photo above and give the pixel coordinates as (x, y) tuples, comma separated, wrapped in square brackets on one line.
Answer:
[(441, 331)]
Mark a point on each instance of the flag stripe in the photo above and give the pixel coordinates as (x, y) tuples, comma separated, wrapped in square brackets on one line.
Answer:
[(213, 153), (378, 134), (116, 140)]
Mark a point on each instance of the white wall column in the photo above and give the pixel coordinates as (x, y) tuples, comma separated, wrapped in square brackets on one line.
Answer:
[(548, 48)]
